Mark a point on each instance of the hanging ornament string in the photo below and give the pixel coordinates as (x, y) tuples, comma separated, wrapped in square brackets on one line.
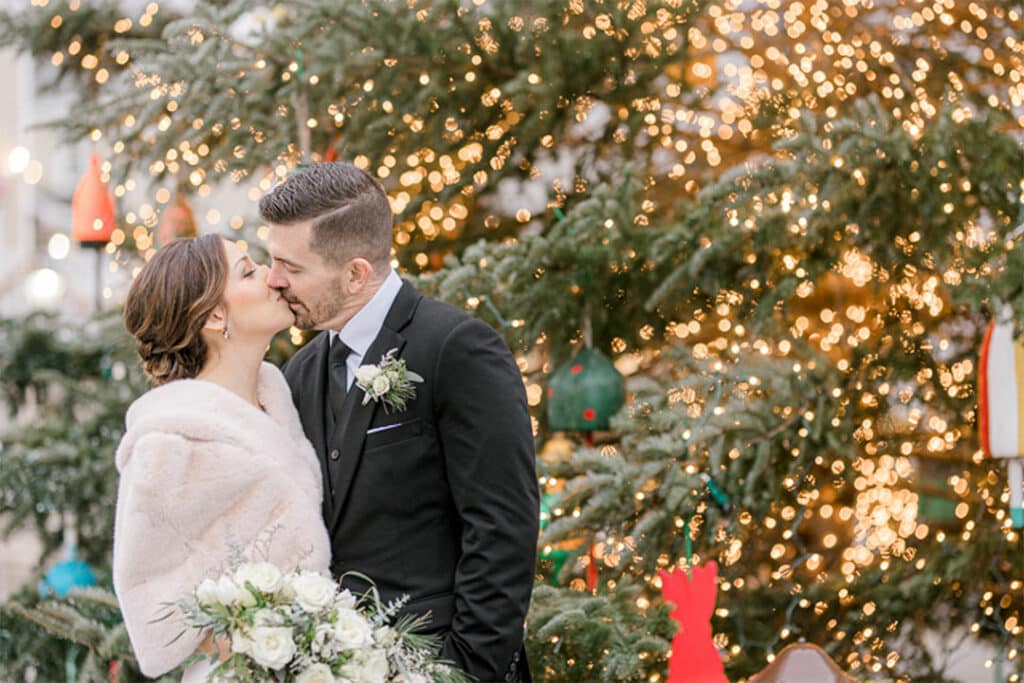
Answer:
[(585, 282), (300, 103), (688, 545)]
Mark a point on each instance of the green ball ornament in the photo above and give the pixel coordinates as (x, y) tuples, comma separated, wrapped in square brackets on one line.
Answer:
[(585, 393)]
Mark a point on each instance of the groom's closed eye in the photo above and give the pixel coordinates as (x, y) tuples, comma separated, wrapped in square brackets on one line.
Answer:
[(288, 266)]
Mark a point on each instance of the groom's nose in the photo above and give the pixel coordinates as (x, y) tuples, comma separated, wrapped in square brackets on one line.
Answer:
[(275, 279)]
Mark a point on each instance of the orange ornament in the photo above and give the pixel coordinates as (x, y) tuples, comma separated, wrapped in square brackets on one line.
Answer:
[(177, 221), (92, 208)]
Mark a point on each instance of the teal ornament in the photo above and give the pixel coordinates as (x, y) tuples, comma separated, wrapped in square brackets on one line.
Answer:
[(65, 575), (585, 393)]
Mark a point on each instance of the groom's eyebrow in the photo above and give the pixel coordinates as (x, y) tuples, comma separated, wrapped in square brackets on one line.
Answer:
[(278, 259)]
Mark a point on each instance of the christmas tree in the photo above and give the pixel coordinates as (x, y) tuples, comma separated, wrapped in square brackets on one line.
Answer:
[(786, 223)]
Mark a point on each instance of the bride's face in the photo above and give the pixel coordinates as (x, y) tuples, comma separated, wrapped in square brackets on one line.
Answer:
[(253, 308)]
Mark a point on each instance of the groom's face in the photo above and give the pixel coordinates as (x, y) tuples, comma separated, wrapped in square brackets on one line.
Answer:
[(312, 286)]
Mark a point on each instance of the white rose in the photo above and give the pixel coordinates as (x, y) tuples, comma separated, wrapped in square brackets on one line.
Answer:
[(313, 592), (345, 600), (264, 576), (271, 646), (365, 374), (381, 385), (228, 593), (206, 593), (318, 673), (240, 642), (351, 630), (368, 666)]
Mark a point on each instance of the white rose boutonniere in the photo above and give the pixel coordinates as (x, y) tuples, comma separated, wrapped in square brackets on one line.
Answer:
[(389, 382)]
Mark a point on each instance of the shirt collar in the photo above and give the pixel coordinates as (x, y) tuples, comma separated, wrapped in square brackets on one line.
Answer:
[(365, 325)]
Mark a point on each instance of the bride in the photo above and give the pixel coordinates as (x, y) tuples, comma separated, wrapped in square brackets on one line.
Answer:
[(214, 456)]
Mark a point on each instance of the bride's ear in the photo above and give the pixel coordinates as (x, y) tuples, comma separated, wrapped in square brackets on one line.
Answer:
[(217, 321)]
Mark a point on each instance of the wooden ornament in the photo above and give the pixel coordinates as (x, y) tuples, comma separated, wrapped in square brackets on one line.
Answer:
[(802, 663), (177, 221)]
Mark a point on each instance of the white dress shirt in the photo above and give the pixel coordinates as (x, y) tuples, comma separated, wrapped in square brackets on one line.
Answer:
[(365, 325)]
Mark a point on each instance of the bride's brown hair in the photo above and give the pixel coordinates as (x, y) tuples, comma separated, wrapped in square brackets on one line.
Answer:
[(169, 302)]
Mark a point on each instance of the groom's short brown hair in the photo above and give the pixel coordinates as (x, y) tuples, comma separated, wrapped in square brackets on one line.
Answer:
[(350, 212)]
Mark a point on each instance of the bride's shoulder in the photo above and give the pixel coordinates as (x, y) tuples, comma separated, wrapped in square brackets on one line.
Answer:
[(173, 398), (188, 408)]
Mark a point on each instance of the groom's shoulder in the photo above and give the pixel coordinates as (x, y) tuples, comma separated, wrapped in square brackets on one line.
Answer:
[(440, 313), (437, 319)]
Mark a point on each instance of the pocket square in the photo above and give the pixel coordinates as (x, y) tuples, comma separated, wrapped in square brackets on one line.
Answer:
[(384, 428)]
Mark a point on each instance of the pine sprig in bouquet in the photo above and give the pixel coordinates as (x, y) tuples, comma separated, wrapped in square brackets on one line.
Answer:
[(302, 627)]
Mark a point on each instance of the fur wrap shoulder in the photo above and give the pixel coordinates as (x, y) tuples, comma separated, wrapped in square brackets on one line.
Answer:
[(200, 469)]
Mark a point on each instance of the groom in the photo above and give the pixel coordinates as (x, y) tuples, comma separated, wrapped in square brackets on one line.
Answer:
[(438, 499)]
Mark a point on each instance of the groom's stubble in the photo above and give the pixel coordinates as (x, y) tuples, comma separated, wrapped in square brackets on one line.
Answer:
[(315, 312)]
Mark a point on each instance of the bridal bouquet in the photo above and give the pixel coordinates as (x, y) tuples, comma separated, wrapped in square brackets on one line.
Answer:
[(301, 627)]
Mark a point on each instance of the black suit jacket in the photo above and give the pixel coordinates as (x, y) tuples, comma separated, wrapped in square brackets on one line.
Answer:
[(439, 501)]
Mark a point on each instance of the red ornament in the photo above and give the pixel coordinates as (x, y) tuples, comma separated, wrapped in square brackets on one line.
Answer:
[(177, 221), (589, 414), (694, 657), (576, 369), (332, 154), (92, 208)]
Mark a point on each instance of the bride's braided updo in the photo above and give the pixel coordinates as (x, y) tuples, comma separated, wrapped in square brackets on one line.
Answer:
[(169, 302)]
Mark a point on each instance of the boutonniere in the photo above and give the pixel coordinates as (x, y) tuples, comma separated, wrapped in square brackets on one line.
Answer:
[(389, 382)]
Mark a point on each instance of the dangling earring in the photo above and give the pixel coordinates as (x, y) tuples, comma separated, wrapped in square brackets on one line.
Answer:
[(227, 332)]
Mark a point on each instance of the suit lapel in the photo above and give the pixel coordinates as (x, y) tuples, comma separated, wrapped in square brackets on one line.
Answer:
[(356, 417)]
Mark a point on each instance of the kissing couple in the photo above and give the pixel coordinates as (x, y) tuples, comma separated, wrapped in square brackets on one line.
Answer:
[(428, 488)]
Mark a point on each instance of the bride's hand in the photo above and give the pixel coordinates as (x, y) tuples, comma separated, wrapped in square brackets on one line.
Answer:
[(219, 646)]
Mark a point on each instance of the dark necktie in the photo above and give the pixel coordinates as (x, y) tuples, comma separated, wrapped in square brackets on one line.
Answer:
[(339, 376)]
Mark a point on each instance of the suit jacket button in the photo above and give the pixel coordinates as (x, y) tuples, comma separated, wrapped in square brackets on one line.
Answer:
[(335, 454)]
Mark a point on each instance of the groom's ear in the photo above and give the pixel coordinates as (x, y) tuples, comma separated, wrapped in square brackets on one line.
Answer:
[(359, 272)]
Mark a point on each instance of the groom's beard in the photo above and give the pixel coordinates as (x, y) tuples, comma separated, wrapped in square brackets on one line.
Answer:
[(309, 316)]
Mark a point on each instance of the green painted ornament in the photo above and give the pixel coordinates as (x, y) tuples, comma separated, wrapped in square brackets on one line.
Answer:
[(585, 393)]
